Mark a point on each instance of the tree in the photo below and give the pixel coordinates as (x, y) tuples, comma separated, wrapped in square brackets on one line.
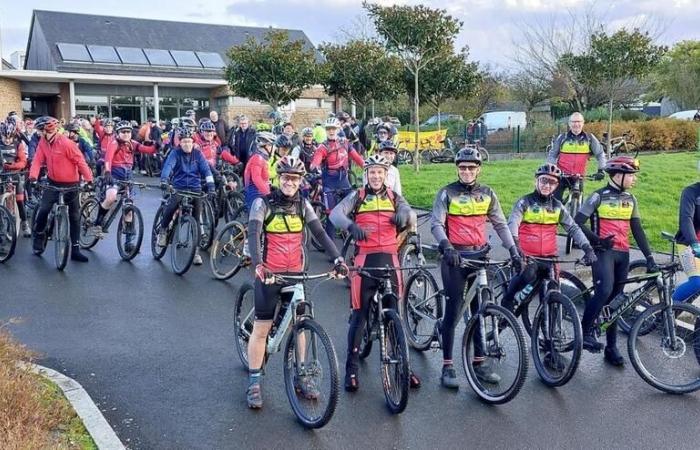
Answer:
[(614, 60), (418, 35), (361, 71), (275, 71), (528, 89), (489, 91), (678, 75)]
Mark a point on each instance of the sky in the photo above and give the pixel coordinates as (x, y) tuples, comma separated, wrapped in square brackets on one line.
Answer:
[(491, 27)]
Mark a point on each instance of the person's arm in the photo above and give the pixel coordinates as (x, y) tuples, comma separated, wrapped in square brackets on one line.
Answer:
[(143, 148), (439, 216), (21, 161), (584, 213), (686, 213), (168, 166), (111, 150), (228, 157), (553, 154), (499, 223), (99, 129), (340, 213), (76, 157), (37, 163), (598, 151), (205, 172), (258, 212), (516, 218), (356, 157), (319, 156), (316, 229), (258, 177), (638, 233), (87, 150)]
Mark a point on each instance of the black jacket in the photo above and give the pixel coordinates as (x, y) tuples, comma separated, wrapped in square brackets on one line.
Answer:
[(221, 129), (240, 142)]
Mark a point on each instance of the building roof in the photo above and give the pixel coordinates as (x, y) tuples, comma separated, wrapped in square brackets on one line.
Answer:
[(86, 29), (6, 65)]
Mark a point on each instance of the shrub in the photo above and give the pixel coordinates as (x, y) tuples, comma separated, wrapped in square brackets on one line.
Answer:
[(652, 135)]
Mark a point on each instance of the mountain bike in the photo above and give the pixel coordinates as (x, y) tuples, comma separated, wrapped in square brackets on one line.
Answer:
[(309, 354), (129, 232), (621, 144), (573, 201), (8, 195), (8, 235), (58, 225)]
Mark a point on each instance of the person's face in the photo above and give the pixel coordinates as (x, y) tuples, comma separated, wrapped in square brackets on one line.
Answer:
[(389, 155), (467, 172), (546, 185), (283, 151), (626, 180), (289, 183), (331, 133), (72, 135), (209, 135), (244, 124), (576, 124), (308, 140), (214, 116), (109, 129), (187, 144), (29, 126), (125, 135), (382, 135), (375, 177), (288, 130)]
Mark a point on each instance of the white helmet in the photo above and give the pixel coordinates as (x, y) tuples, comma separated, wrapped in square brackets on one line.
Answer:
[(376, 160), (332, 122), (263, 138)]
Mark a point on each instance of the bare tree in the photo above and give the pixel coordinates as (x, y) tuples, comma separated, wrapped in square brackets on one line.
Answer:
[(359, 28)]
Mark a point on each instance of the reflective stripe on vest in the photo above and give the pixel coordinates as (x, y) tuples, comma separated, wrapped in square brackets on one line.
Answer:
[(580, 147), (469, 206), (615, 209), (281, 223), (539, 215)]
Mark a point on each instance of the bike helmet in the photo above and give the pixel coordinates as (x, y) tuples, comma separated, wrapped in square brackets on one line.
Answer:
[(342, 115), (108, 123), (49, 124), (40, 122), (468, 154), (134, 124), (376, 160), (7, 129), (207, 125), (290, 164), (387, 145), (73, 127), (190, 113), (123, 125), (622, 164), (188, 123), (332, 122), (283, 141), (185, 133), (382, 127), (264, 138), (307, 132), (549, 169)]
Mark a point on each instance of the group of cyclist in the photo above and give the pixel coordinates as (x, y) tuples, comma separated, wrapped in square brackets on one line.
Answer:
[(374, 214)]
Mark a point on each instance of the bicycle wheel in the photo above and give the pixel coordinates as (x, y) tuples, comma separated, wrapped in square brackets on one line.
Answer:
[(498, 279), (421, 308), (367, 335), (9, 201), (573, 288), (88, 218), (130, 233), (409, 257), (670, 364), (448, 153), (574, 205), (226, 253), (557, 340), (243, 318), (240, 215), (405, 157), (8, 235), (234, 200), (320, 211), (208, 225), (394, 364), (61, 238), (156, 250), (184, 244), (485, 157), (504, 352), (311, 374), (629, 317)]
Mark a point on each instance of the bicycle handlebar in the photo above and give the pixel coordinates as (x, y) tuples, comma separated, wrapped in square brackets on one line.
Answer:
[(555, 259), (303, 277), (479, 263)]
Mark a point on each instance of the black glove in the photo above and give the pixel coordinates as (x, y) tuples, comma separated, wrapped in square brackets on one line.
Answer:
[(340, 268), (164, 187), (516, 259), (599, 175), (400, 219), (357, 233), (606, 243), (107, 177), (651, 265), (449, 254), (589, 256)]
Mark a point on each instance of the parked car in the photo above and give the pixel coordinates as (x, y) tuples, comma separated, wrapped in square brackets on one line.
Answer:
[(503, 120), (444, 117), (684, 115)]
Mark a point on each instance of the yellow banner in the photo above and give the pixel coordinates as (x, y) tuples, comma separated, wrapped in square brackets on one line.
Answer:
[(426, 139)]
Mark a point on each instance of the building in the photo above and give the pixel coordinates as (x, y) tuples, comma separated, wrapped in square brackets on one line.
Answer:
[(79, 64), (17, 59)]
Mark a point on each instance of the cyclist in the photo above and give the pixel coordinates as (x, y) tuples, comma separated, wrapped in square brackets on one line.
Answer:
[(613, 212), (65, 164), (319, 133), (393, 179), (85, 147), (688, 236), (306, 148), (458, 223), (382, 134), (283, 145), (533, 223), (276, 228), (333, 159), (185, 167), (208, 142), (570, 153), (373, 216), (13, 153), (256, 176), (104, 132)]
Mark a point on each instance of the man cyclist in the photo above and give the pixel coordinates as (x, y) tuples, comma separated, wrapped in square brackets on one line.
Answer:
[(333, 159), (185, 168), (570, 153), (393, 179), (13, 153), (613, 212), (276, 229), (306, 148), (373, 216), (65, 165), (458, 223), (688, 236)]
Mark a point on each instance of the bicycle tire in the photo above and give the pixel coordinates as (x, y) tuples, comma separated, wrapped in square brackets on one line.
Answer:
[(574, 206), (208, 225), (9, 201), (137, 223), (574, 289), (420, 299), (500, 318), (628, 318), (404, 157), (485, 157), (440, 159), (395, 368), (319, 366), (551, 339), (320, 211), (234, 200), (241, 215), (228, 242), (88, 217), (243, 318), (448, 153), (184, 247), (348, 254), (408, 257), (156, 250), (8, 235), (680, 313), (61, 239)]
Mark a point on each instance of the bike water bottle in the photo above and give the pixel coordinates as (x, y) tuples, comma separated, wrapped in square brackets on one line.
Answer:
[(522, 295)]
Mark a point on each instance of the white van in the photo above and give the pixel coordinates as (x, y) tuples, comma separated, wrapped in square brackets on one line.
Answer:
[(503, 120)]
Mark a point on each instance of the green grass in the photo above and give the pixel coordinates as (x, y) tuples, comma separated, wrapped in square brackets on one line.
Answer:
[(658, 187), (72, 431)]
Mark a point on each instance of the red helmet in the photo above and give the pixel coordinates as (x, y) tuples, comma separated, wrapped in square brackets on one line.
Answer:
[(622, 164)]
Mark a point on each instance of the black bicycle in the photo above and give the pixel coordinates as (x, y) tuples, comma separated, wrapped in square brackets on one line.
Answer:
[(573, 201), (8, 235), (58, 225)]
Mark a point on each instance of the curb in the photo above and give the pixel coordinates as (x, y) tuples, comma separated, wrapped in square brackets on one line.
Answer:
[(101, 432)]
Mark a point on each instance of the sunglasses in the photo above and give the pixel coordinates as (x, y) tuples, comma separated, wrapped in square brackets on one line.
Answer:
[(547, 181), (125, 132), (294, 179), (467, 168)]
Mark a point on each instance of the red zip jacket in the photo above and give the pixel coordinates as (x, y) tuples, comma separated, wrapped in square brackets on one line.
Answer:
[(121, 153), (210, 150), (63, 159), (104, 138)]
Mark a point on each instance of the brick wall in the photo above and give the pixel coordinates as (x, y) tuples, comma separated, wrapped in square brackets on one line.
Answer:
[(10, 96)]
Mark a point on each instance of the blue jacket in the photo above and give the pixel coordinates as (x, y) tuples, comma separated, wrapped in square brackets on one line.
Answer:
[(85, 149), (33, 142), (185, 171)]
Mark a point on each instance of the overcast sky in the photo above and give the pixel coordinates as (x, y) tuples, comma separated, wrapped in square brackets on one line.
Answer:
[(490, 26)]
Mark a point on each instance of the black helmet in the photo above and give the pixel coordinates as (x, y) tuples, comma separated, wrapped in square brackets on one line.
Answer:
[(290, 164), (123, 125), (188, 123), (283, 141), (207, 125), (549, 169), (46, 123), (185, 133), (7, 129), (190, 112), (387, 145), (468, 154), (307, 132), (73, 126)]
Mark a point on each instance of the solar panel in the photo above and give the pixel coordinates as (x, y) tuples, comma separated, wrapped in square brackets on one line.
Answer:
[(104, 54), (73, 52), (185, 58), (130, 55), (159, 57), (211, 60)]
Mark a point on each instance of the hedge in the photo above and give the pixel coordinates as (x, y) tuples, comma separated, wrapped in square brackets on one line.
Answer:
[(653, 135)]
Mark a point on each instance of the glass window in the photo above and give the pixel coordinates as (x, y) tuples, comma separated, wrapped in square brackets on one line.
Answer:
[(102, 53), (130, 55), (185, 58), (74, 52), (91, 100), (211, 60), (159, 57)]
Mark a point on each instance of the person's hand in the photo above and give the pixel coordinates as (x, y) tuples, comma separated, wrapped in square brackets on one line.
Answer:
[(340, 269), (107, 177), (589, 256), (452, 257), (357, 233), (516, 258), (599, 175), (148, 142), (264, 274), (607, 243), (164, 187), (400, 219), (651, 265), (695, 247)]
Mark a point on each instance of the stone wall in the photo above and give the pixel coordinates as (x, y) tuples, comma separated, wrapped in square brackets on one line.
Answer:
[(10, 96)]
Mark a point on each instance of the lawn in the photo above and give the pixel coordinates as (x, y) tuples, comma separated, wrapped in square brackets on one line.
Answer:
[(658, 188)]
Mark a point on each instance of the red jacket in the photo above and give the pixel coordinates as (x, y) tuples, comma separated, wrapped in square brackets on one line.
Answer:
[(63, 159), (210, 150), (103, 137), (257, 175), (121, 153), (335, 155)]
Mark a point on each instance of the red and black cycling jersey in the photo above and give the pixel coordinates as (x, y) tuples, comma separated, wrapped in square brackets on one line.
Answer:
[(611, 211), (120, 153), (335, 156), (212, 149), (534, 220), (570, 152), (13, 156)]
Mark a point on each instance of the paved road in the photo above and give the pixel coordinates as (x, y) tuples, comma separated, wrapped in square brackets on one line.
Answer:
[(156, 353)]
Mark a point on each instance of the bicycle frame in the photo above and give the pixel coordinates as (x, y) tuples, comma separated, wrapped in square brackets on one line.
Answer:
[(274, 342), (655, 280)]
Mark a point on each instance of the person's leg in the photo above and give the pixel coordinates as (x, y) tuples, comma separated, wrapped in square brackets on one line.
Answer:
[(620, 271), (518, 283), (72, 199), (197, 213), (265, 301), (330, 202), (361, 292), (21, 210), (454, 280), (48, 199), (603, 278)]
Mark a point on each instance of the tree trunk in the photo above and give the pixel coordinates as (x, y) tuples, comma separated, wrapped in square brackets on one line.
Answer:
[(610, 115), (373, 109), (416, 105), (439, 123)]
